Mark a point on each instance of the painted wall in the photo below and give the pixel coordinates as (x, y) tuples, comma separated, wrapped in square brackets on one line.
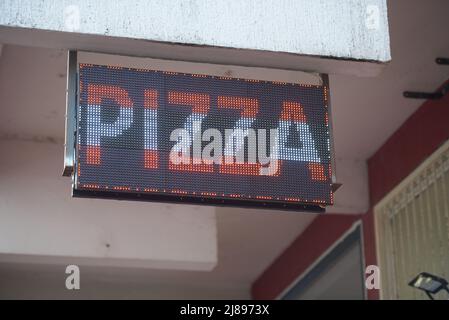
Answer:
[(330, 28), (44, 281), (41, 223)]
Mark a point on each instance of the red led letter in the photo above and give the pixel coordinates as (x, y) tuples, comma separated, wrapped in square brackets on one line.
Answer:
[(249, 108), (200, 104)]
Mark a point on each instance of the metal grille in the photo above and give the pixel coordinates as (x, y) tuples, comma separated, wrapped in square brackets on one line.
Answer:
[(412, 226)]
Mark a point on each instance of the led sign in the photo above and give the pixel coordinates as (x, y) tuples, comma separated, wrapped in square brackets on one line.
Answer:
[(175, 136)]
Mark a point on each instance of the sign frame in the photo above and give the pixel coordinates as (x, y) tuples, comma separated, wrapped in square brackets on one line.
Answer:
[(265, 74)]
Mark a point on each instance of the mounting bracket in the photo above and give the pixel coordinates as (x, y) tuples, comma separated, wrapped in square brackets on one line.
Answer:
[(430, 95)]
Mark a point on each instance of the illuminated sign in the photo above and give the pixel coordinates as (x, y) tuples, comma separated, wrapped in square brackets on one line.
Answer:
[(176, 136)]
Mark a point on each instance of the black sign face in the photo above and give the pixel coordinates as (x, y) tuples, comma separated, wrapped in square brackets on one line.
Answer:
[(175, 136)]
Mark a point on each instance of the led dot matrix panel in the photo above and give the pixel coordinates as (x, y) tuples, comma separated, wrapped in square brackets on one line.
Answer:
[(175, 136)]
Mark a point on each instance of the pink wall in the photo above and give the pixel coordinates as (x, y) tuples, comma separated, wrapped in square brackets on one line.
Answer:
[(420, 135)]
